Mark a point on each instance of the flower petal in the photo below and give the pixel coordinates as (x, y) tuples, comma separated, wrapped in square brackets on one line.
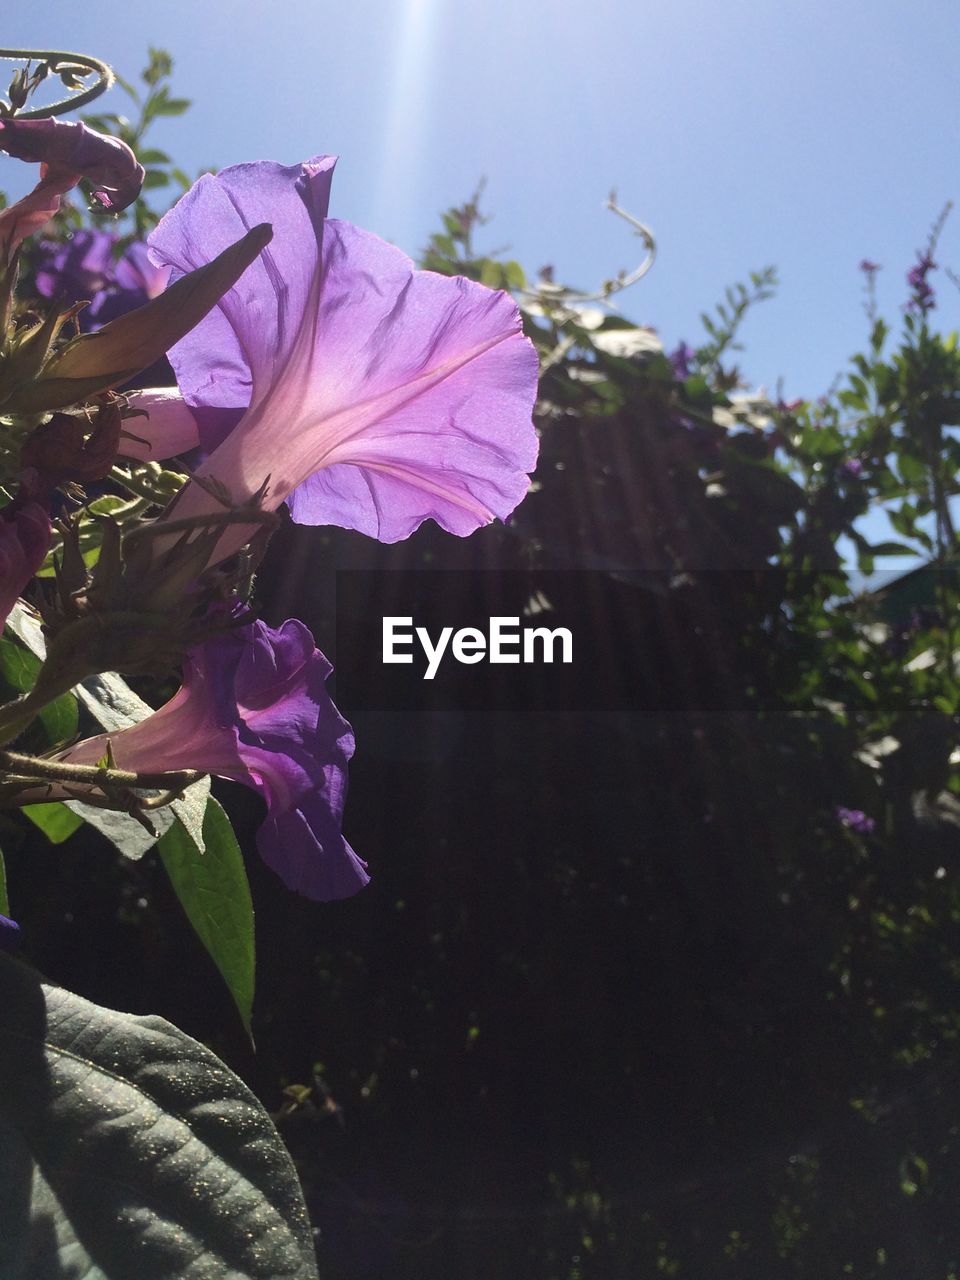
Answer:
[(169, 427), (306, 848), (25, 217), (24, 542), (247, 338)]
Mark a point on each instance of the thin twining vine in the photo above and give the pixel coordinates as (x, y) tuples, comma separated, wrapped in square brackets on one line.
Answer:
[(72, 68)]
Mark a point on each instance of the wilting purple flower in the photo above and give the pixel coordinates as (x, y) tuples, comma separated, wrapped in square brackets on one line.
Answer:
[(373, 396), (680, 359), (83, 268), (74, 150), (254, 707), (867, 267), (855, 820), (9, 935), (24, 542)]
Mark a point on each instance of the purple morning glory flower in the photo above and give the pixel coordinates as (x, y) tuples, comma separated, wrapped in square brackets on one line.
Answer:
[(254, 707), (74, 150), (9, 935), (83, 268), (855, 820), (372, 395), (24, 542)]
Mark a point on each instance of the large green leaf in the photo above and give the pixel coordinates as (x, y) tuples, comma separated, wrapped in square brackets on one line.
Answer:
[(129, 1150), (213, 890)]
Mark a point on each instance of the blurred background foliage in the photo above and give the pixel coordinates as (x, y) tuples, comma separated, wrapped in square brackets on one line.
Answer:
[(666, 986)]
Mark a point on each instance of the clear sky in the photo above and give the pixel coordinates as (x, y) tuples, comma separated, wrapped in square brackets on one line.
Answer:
[(804, 134)]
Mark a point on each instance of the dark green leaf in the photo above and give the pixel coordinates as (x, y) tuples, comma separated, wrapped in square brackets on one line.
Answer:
[(912, 470), (891, 549), (128, 1149), (213, 890), (19, 667), (55, 820)]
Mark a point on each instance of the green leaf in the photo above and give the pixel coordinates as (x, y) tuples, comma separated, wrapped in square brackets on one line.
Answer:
[(515, 275), (55, 820), (155, 178), (128, 1149), (913, 471), (19, 668), (214, 892), (150, 155), (891, 549), (171, 106), (491, 273)]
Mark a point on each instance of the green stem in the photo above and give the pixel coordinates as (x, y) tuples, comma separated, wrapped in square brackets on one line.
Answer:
[(95, 775), (105, 73)]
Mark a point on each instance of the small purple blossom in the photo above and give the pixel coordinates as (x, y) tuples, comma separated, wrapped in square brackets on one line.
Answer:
[(254, 707), (922, 294), (83, 268), (867, 267), (855, 820), (853, 467), (681, 358)]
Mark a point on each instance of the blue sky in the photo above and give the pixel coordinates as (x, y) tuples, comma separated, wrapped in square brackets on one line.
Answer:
[(807, 135)]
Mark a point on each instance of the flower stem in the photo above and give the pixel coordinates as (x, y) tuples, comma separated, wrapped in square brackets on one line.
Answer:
[(105, 73)]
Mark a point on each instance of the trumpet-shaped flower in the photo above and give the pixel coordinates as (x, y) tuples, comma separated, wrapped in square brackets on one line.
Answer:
[(254, 707), (373, 396)]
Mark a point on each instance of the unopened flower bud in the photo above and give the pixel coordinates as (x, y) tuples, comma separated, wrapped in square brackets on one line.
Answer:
[(75, 150)]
